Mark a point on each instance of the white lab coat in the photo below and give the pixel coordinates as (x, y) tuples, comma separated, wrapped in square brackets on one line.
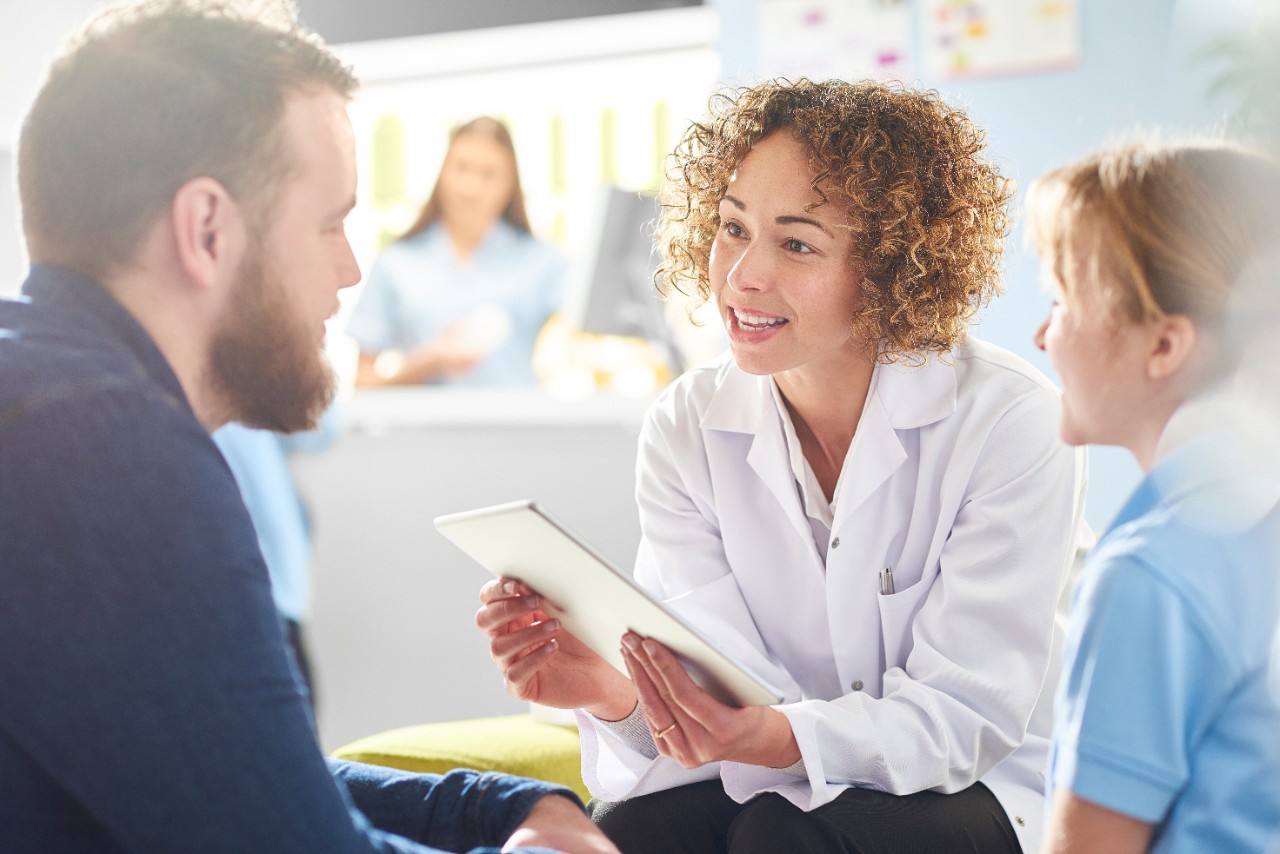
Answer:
[(958, 481)]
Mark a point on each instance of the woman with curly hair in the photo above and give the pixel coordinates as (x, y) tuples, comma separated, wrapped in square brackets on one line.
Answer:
[(860, 502)]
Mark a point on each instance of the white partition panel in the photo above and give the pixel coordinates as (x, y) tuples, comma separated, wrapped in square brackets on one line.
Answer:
[(392, 632)]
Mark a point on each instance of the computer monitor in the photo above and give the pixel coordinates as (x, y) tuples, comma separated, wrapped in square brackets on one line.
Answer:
[(615, 288)]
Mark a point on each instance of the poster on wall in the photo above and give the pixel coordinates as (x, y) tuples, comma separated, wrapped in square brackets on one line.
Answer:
[(979, 38), (821, 39)]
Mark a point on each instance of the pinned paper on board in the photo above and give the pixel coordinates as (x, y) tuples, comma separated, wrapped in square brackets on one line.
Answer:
[(976, 38), (847, 39)]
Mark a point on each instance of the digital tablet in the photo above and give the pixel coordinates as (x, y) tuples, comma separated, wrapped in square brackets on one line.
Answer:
[(595, 601)]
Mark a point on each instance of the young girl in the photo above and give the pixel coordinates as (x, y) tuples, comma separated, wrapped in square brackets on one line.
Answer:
[(862, 503), (1166, 731)]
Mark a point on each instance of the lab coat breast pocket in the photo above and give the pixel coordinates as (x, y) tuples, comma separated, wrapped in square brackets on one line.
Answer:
[(897, 614)]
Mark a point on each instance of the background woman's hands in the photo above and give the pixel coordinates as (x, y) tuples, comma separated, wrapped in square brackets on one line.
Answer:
[(455, 352), (542, 662), (694, 728)]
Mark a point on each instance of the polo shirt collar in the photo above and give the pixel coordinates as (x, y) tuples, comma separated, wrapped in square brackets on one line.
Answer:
[(1209, 482)]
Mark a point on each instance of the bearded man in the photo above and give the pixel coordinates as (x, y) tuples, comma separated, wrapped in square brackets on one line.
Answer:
[(184, 175)]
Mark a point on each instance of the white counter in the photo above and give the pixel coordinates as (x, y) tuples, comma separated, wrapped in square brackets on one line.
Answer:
[(392, 633)]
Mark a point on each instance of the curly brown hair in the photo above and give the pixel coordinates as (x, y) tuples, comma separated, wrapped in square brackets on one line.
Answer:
[(929, 214)]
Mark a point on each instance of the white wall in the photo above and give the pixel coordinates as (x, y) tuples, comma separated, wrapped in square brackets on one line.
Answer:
[(12, 258), (30, 33)]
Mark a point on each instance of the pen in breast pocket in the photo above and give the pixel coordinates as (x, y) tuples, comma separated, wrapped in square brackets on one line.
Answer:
[(886, 581)]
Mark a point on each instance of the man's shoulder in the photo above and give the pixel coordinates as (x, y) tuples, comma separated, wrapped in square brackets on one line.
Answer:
[(43, 373), (66, 390), (100, 463), (1177, 531)]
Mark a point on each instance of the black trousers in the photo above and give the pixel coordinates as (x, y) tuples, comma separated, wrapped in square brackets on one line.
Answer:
[(701, 819)]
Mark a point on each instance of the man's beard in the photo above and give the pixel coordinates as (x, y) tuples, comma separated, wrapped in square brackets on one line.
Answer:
[(265, 361)]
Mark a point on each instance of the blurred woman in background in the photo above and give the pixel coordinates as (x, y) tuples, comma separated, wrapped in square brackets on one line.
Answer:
[(461, 297)]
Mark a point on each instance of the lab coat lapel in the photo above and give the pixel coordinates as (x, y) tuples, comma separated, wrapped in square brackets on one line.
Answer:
[(744, 404), (875, 454), (770, 460), (900, 398)]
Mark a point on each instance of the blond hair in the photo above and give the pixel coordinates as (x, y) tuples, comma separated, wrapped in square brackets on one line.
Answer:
[(1158, 228)]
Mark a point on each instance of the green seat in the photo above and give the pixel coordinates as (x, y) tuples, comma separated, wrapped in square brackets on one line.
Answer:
[(515, 744)]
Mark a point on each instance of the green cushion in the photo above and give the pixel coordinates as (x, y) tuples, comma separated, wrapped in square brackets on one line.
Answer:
[(516, 744)]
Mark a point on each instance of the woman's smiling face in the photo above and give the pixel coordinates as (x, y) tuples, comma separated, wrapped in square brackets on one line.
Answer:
[(780, 267)]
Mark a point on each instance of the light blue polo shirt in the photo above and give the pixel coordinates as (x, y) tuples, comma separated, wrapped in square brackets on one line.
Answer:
[(259, 460), (417, 289), (1168, 709)]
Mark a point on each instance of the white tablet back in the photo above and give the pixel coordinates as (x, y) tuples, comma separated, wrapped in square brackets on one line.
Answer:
[(594, 600)]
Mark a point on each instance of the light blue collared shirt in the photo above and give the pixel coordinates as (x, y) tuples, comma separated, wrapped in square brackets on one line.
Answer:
[(1165, 711), (417, 289), (259, 459)]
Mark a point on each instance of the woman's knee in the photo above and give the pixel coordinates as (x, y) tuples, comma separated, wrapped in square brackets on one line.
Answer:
[(865, 820), (690, 818), (770, 823)]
